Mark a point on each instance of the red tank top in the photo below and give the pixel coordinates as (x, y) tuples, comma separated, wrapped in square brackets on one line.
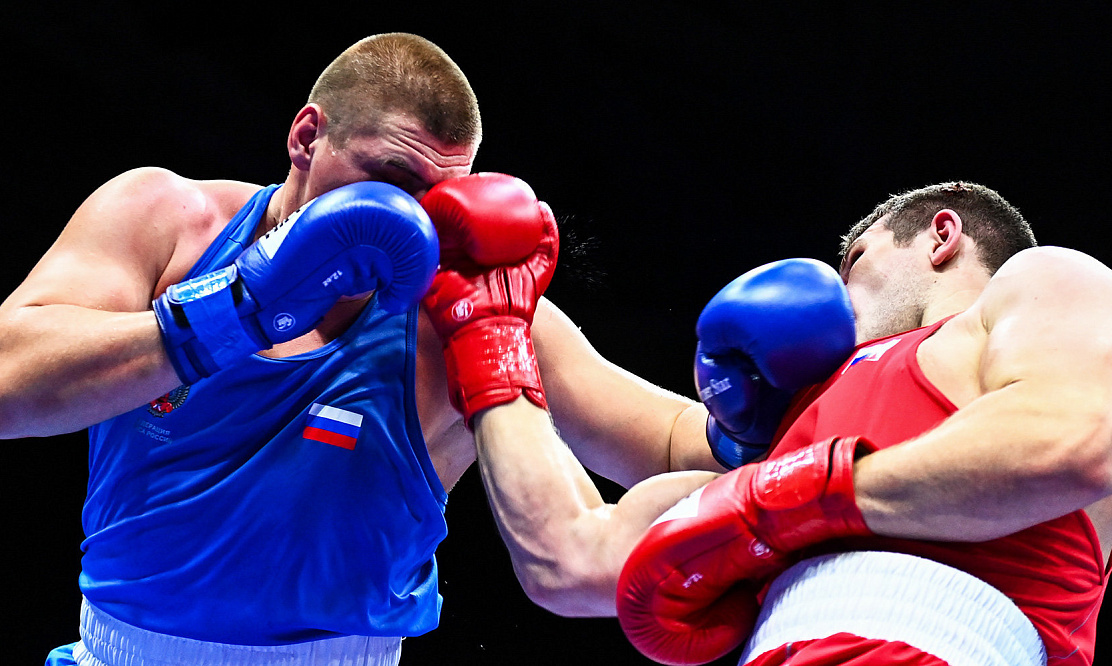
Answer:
[(1052, 571)]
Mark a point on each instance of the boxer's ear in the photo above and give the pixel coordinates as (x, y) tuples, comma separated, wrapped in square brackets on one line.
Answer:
[(308, 126), (946, 232)]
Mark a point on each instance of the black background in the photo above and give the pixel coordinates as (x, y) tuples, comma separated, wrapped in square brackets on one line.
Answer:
[(685, 143)]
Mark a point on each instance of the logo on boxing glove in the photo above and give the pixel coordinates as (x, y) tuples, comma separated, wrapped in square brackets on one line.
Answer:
[(284, 321), (760, 549), (462, 310), (714, 387)]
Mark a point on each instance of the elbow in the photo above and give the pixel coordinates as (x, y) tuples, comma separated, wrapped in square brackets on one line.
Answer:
[(570, 598), (1094, 477), (555, 594), (12, 415), (21, 416), (567, 585), (14, 423), (1095, 470), (16, 405), (21, 413), (1083, 455)]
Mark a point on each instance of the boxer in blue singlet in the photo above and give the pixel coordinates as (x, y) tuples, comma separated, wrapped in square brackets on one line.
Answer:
[(260, 488), (271, 438)]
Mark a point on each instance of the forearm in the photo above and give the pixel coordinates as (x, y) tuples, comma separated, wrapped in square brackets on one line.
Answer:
[(567, 545), (541, 498), (1011, 459), (64, 367)]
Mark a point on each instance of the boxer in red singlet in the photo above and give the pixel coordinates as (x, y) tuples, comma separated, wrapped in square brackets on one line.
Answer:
[(942, 498)]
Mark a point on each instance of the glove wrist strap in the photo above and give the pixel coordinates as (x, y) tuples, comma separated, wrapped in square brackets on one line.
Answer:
[(201, 329), (728, 450), (492, 362), (807, 497)]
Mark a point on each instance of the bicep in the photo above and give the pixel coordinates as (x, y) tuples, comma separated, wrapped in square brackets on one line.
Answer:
[(1047, 366), (618, 424)]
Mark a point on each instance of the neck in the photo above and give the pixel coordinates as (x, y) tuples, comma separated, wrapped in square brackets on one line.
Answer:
[(951, 299), (289, 197)]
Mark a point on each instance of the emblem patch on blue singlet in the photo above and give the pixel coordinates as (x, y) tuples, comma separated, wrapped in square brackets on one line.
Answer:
[(165, 404)]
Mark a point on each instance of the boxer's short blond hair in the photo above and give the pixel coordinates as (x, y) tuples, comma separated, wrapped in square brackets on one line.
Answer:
[(391, 73)]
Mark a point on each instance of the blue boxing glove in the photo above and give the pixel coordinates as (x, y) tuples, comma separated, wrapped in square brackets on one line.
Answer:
[(357, 238), (762, 338)]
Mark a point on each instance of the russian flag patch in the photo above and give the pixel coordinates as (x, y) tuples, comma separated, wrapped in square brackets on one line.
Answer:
[(332, 425), (871, 353)]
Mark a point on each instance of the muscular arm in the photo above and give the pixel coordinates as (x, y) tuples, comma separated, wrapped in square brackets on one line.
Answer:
[(617, 424), (567, 545), (78, 342), (1037, 443)]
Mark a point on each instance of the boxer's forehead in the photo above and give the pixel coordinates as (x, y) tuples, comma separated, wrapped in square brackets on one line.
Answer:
[(402, 146), (876, 232), (871, 231)]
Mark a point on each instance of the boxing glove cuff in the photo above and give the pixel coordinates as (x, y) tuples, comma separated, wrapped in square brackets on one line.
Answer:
[(729, 452), (491, 362), (201, 328), (807, 497)]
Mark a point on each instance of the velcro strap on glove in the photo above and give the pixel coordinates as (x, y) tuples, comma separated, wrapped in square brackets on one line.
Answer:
[(807, 497), (201, 329), (491, 362)]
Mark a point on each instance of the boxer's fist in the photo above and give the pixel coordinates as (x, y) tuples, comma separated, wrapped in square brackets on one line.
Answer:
[(499, 251), (764, 336), (355, 239), (679, 599), (490, 219), (703, 559)]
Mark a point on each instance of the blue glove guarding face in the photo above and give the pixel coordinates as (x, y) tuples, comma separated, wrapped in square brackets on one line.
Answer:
[(763, 337), (355, 239)]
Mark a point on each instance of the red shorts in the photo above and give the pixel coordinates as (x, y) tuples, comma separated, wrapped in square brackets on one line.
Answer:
[(845, 650)]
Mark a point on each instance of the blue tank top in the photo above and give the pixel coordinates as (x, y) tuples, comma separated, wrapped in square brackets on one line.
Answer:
[(278, 501)]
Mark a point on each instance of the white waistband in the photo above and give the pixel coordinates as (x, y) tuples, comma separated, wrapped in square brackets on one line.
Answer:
[(106, 641), (896, 597)]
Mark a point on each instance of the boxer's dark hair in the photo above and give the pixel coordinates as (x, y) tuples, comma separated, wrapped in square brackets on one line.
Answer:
[(996, 226), (397, 72)]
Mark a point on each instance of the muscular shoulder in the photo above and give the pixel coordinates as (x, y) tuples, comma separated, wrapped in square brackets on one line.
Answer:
[(1050, 261), (130, 238), (1044, 312), (1035, 296), (165, 202), (163, 217), (1046, 279)]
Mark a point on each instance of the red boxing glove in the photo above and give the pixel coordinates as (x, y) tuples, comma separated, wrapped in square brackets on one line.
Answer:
[(687, 592), (498, 250)]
